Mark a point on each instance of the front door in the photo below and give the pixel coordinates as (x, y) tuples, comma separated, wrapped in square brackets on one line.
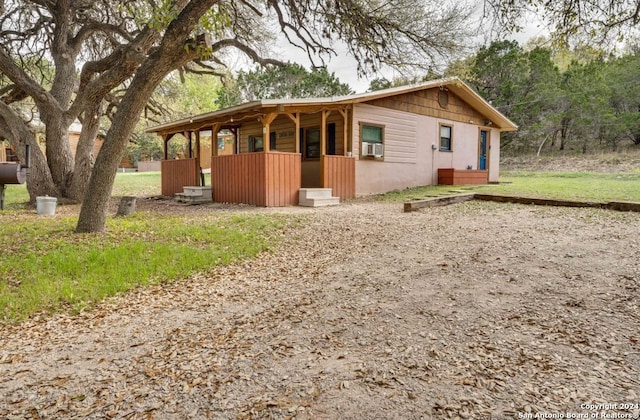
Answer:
[(482, 149)]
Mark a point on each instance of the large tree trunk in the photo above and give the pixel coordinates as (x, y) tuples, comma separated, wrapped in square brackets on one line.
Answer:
[(84, 159), (175, 50), (39, 180), (94, 209), (58, 151)]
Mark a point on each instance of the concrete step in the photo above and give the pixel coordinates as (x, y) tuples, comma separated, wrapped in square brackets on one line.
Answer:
[(319, 202), (306, 193), (203, 191), (192, 199)]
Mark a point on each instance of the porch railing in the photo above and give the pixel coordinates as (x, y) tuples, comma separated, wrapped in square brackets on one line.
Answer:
[(177, 174), (339, 173), (268, 179)]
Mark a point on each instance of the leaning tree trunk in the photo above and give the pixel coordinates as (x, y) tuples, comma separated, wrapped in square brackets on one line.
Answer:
[(84, 160), (93, 213), (176, 49)]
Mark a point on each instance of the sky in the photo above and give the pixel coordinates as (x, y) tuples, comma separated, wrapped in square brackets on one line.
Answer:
[(344, 66)]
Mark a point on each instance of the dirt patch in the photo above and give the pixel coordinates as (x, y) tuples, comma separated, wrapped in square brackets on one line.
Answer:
[(478, 310)]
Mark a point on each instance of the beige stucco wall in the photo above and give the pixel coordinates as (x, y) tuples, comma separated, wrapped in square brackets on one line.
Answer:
[(409, 159)]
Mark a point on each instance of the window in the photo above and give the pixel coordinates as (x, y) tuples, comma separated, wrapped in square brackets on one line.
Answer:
[(272, 141), (220, 143), (371, 134), (445, 138), (312, 143), (372, 137), (256, 144)]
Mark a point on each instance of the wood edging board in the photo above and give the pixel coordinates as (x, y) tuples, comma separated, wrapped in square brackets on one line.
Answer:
[(453, 199), (437, 201)]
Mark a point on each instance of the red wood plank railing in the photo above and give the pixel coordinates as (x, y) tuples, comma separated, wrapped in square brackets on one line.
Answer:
[(339, 173), (177, 174), (261, 179)]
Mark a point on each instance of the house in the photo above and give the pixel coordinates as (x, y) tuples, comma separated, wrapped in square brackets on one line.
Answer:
[(355, 145)]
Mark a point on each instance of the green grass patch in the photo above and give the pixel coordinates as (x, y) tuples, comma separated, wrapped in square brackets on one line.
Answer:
[(47, 268), (139, 184), (586, 186)]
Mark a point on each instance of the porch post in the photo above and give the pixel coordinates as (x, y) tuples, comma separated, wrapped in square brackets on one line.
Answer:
[(187, 135), (323, 133), (345, 130), (200, 178), (323, 147), (266, 123), (215, 128), (236, 143), (166, 139), (295, 117), (198, 146)]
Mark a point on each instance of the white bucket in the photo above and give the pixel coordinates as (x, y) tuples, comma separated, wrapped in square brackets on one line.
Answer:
[(46, 206)]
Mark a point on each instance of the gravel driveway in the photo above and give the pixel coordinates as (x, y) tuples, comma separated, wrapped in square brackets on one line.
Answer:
[(477, 310)]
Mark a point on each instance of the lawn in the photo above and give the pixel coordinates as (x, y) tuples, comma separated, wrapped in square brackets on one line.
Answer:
[(46, 268), (586, 186)]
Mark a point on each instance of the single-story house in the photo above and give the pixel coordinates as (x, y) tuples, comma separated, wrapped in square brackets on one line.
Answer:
[(355, 145)]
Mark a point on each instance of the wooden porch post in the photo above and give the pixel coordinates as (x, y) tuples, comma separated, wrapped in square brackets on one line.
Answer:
[(236, 144), (198, 146), (323, 133), (296, 120), (323, 147), (166, 139), (187, 135), (215, 128), (266, 123), (345, 130), (200, 177)]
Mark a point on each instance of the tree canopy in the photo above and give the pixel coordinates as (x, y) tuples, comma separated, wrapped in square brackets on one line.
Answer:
[(587, 20), (590, 105), (288, 81)]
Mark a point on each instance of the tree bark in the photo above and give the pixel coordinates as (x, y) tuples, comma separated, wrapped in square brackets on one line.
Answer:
[(176, 49), (84, 160), (39, 181)]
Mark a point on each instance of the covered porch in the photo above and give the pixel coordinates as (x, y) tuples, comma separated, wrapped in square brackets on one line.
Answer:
[(277, 148)]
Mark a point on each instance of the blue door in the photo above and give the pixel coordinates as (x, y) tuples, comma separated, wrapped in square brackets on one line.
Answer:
[(482, 152)]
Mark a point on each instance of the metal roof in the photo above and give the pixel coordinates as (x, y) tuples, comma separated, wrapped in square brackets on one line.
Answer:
[(454, 84)]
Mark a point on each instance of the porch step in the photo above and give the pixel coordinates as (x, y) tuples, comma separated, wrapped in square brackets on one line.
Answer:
[(195, 195), (317, 197), (204, 191)]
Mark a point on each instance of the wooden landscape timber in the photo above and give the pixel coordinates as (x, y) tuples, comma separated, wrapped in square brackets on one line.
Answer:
[(437, 201), (453, 199)]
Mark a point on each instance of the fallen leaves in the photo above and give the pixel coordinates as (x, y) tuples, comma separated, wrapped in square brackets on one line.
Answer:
[(457, 312)]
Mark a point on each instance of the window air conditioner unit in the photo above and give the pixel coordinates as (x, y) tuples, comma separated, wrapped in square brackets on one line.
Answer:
[(372, 149), (378, 149)]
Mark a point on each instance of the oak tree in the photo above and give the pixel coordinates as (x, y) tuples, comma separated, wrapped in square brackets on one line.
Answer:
[(107, 57)]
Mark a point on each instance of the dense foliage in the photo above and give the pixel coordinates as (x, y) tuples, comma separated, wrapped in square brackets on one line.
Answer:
[(591, 104), (289, 81)]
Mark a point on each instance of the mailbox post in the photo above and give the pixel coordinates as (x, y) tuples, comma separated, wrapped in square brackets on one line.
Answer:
[(13, 173)]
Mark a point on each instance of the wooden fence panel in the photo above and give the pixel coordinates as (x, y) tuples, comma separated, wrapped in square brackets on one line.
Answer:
[(177, 174), (339, 173), (269, 179), (283, 178)]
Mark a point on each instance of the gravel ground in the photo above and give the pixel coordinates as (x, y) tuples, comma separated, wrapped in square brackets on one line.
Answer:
[(477, 310)]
